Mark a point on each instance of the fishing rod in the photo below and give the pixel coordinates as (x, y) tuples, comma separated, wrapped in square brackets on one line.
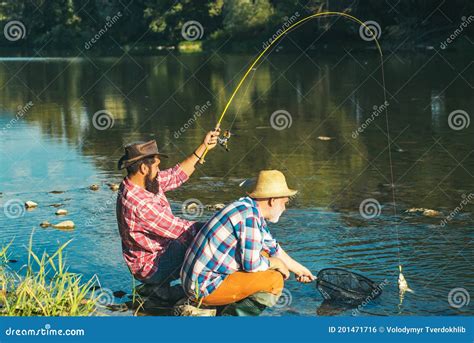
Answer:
[(272, 43), (403, 285)]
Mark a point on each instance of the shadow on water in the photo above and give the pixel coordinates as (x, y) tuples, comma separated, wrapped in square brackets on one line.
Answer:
[(54, 146)]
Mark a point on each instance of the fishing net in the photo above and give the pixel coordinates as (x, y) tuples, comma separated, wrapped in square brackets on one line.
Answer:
[(342, 286)]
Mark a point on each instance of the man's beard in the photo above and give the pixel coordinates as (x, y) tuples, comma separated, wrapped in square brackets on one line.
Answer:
[(151, 184), (275, 215)]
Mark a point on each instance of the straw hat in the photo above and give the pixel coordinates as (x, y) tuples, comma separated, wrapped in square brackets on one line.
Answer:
[(271, 184)]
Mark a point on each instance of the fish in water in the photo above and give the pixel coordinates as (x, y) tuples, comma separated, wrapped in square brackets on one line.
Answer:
[(402, 282)]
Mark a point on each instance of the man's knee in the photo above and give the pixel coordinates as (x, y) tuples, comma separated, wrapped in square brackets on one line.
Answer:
[(276, 282)]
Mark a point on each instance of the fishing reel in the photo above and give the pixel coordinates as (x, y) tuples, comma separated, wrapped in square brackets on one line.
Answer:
[(223, 142)]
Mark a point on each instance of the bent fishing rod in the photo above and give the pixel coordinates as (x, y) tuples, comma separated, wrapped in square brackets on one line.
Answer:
[(373, 35)]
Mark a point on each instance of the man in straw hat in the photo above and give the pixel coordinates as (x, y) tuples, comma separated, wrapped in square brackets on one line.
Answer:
[(154, 241), (234, 256)]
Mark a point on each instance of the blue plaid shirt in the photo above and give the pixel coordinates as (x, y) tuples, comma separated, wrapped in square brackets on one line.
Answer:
[(232, 240)]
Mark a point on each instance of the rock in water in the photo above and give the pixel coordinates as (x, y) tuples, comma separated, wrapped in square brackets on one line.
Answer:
[(184, 308), (324, 138), (431, 213), (94, 187), (416, 209), (30, 204), (45, 224), (61, 212), (215, 207), (192, 207), (402, 282), (424, 211), (119, 294), (68, 224), (114, 187)]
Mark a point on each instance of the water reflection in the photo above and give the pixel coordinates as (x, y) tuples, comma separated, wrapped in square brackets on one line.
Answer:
[(55, 146)]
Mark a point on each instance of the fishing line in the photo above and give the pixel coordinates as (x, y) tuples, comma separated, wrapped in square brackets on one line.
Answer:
[(240, 104), (272, 43), (373, 36)]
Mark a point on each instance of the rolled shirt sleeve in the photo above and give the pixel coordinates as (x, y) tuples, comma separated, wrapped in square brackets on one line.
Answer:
[(172, 178)]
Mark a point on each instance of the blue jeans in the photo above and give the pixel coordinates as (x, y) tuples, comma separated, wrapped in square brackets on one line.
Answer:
[(169, 264)]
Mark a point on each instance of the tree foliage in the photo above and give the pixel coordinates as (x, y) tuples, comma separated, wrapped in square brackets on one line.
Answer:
[(67, 24)]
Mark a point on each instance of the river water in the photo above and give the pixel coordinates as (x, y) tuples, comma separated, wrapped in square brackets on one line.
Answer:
[(50, 143)]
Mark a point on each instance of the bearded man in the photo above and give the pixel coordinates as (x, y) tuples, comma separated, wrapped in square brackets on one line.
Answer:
[(154, 241)]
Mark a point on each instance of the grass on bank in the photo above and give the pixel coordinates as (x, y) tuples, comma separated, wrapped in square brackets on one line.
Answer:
[(47, 288), (188, 47)]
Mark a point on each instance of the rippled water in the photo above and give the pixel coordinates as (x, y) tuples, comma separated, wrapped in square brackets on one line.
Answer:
[(54, 146)]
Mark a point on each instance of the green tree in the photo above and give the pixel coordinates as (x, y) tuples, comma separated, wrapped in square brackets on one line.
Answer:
[(246, 16)]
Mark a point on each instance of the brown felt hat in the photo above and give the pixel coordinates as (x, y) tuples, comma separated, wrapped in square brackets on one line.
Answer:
[(136, 151), (271, 184)]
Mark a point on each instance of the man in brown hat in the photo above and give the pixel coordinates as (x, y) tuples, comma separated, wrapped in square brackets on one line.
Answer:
[(234, 256), (154, 241)]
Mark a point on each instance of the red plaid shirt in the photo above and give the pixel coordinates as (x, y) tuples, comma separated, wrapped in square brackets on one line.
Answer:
[(146, 223)]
